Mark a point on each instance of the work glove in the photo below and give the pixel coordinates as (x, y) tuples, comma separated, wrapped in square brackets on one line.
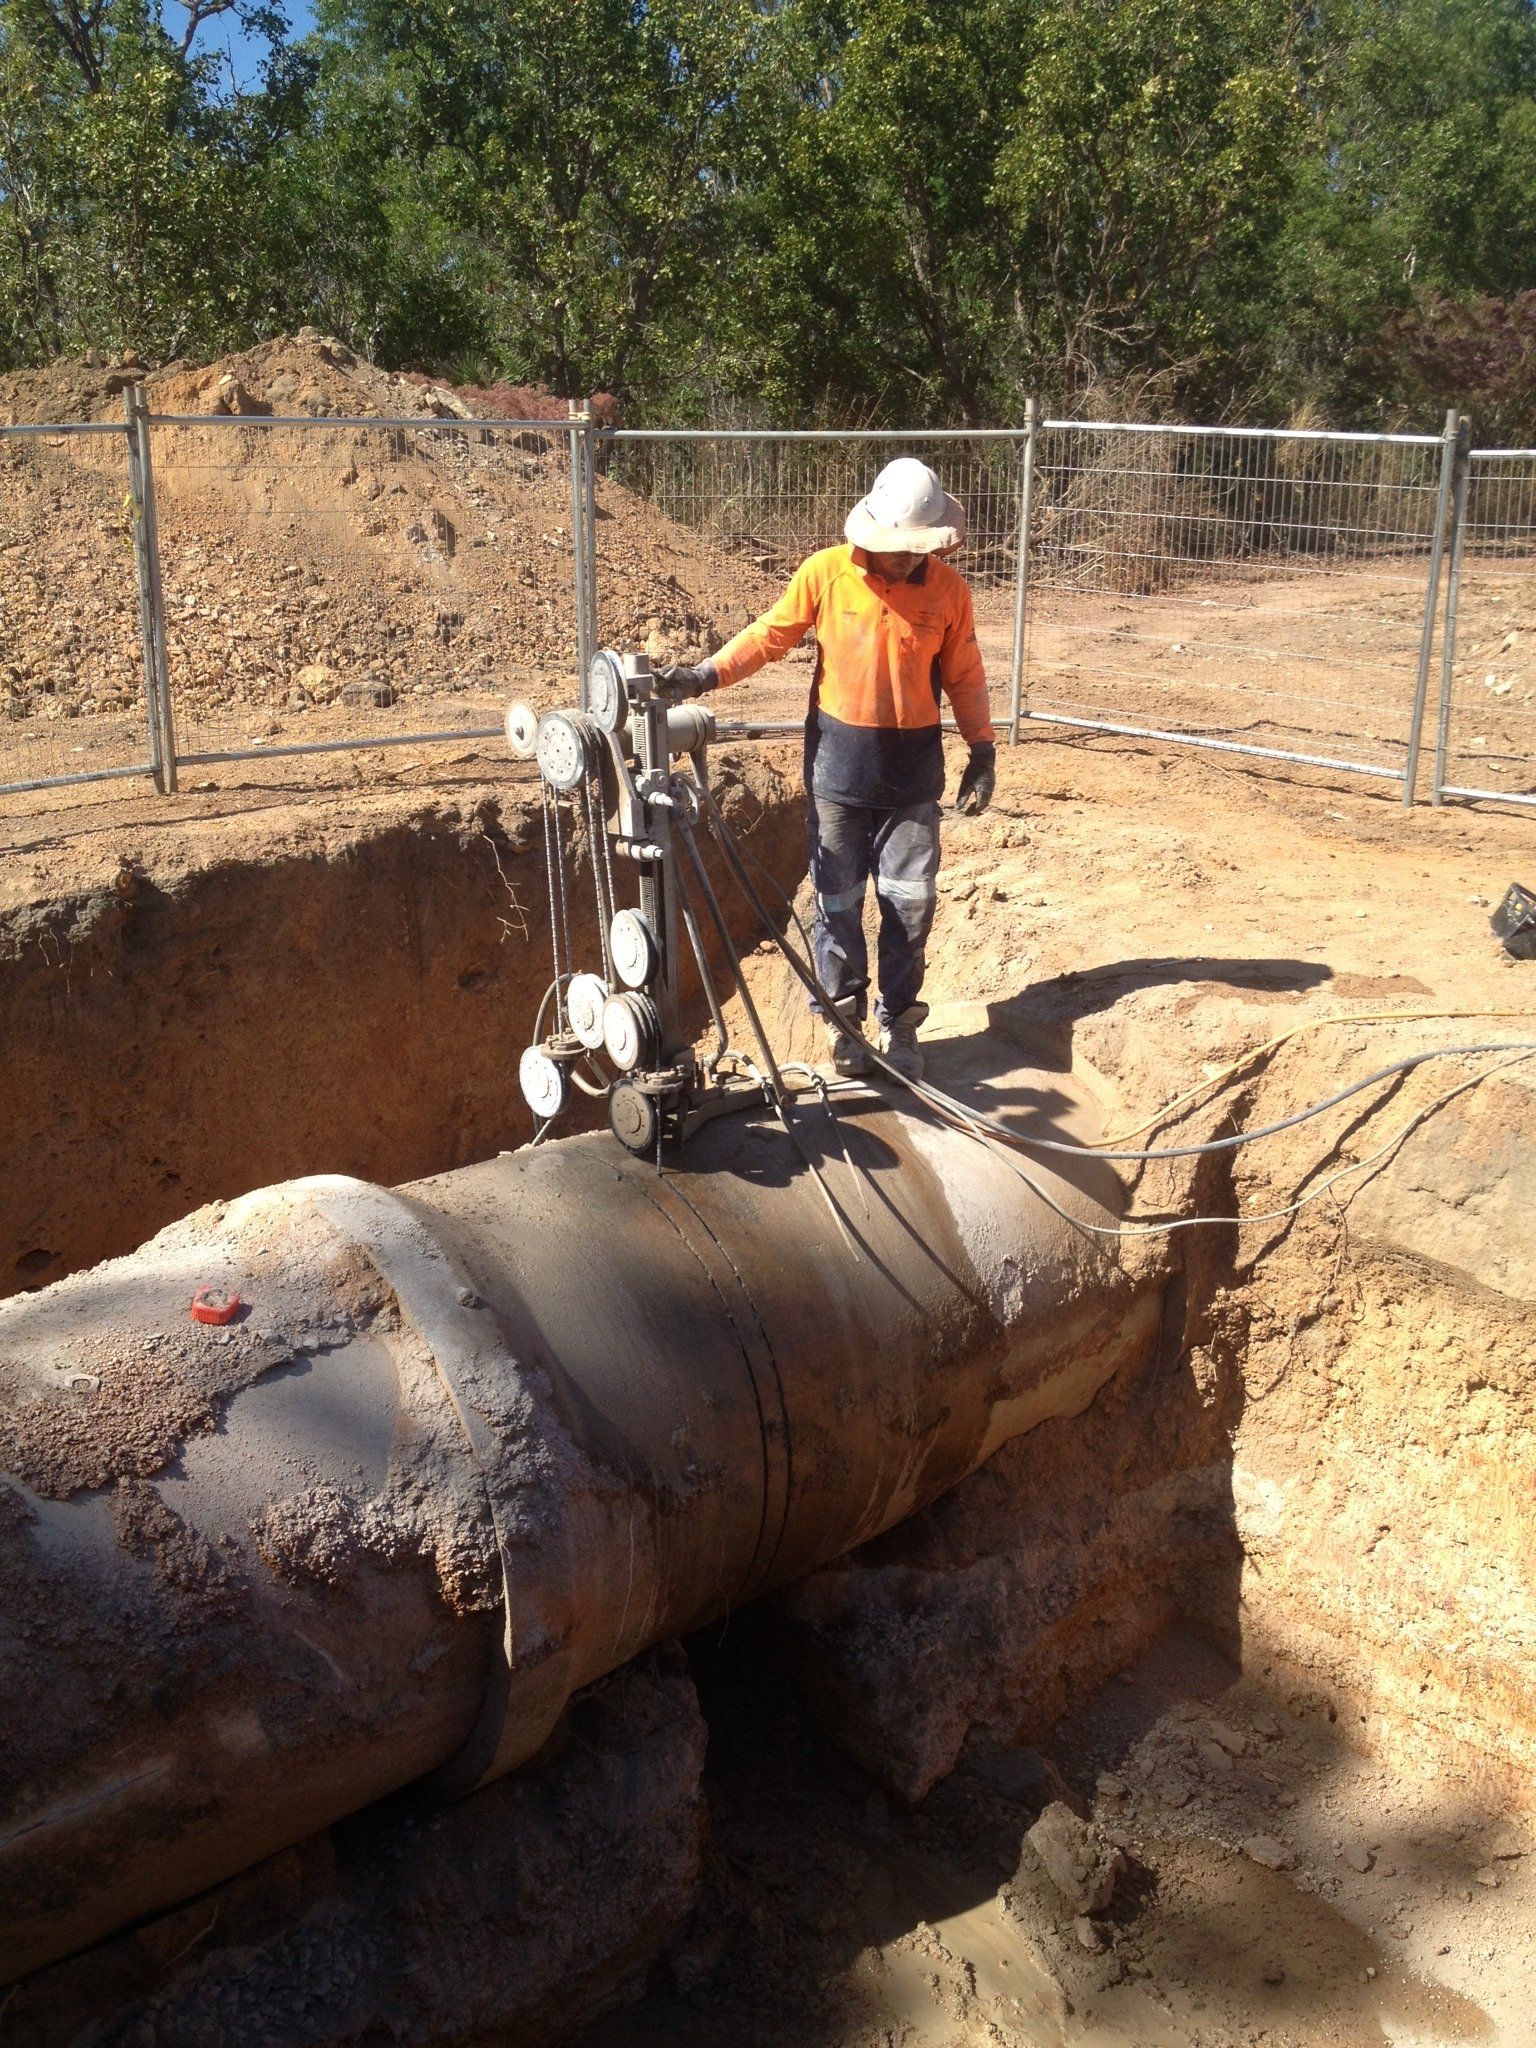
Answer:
[(978, 781), (688, 682)]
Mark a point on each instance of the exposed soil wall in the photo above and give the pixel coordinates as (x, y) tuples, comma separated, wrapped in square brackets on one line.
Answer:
[(345, 996), (1267, 1605), (1329, 1470)]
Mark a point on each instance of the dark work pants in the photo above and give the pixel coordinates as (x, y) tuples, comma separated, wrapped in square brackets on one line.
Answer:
[(900, 848)]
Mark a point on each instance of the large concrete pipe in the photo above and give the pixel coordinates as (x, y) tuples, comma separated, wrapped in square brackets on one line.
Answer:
[(472, 1444)]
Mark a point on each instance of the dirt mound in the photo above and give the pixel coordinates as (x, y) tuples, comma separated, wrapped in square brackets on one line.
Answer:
[(304, 566), (503, 401), (307, 373), (65, 393)]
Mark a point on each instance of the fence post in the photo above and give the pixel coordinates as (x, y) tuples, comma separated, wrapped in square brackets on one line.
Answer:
[(589, 483), (146, 529), (150, 595), (165, 701), (1431, 602), (579, 417), (1459, 491), (1021, 571)]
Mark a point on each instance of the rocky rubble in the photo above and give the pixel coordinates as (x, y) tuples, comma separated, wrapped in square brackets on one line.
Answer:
[(1081, 1864)]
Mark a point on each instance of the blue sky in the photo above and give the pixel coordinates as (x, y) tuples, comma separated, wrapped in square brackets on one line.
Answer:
[(222, 36)]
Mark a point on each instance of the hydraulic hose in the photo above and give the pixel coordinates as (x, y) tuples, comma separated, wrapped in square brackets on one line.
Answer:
[(1233, 1068), (1288, 1123)]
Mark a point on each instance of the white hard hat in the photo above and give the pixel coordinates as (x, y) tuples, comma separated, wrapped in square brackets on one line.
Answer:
[(908, 512)]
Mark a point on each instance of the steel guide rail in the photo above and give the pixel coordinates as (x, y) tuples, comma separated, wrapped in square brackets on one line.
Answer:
[(75, 428)]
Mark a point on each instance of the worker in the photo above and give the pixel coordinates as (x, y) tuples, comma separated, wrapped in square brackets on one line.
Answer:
[(894, 630)]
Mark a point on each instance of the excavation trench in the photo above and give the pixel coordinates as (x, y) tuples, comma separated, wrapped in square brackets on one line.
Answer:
[(1282, 1514), (349, 999)]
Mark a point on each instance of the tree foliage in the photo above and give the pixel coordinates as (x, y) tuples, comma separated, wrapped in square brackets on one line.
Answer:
[(883, 209), (126, 183), (533, 182)]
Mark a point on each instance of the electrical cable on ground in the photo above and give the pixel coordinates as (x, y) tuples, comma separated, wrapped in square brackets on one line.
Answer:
[(1213, 1081), (1233, 1068), (1288, 1123), (989, 1130), (1164, 1227)]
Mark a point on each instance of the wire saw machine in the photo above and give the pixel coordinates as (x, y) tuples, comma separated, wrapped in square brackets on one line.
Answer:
[(630, 773)]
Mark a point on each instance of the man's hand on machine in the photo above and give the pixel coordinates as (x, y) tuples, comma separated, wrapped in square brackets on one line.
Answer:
[(687, 682), (978, 781)]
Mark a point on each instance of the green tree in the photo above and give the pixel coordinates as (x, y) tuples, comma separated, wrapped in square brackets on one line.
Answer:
[(865, 238), (905, 210), (544, 170), (130, 193), (1419, 181), (1148, 161), (954, 204)]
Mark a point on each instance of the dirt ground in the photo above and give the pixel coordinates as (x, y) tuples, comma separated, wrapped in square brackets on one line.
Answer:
[(1320, 662), (835, 1918), (373, 580), (1318, 1755), (1264, 1617)]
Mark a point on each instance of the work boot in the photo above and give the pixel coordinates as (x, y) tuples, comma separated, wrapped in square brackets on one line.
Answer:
[(849, 1055), (899, 1042)]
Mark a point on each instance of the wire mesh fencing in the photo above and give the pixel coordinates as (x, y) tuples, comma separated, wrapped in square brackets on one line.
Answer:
[(349, 583), (181, 590), (1486, 739), (72, 689), (735, 513), (1265, 592)]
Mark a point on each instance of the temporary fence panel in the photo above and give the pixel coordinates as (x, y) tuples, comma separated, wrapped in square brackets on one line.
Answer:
[(1261, 592), (728, 516), (323, 583), (1486, 737), (72, 703), (334, 583)]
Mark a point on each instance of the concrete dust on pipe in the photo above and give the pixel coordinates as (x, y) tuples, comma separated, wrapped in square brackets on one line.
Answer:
[(476, 1442)]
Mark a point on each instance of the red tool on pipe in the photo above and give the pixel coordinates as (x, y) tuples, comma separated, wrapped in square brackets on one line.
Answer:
[(210, 1305)]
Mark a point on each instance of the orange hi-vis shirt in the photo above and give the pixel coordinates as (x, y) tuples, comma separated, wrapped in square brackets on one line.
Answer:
[(887, 653)]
